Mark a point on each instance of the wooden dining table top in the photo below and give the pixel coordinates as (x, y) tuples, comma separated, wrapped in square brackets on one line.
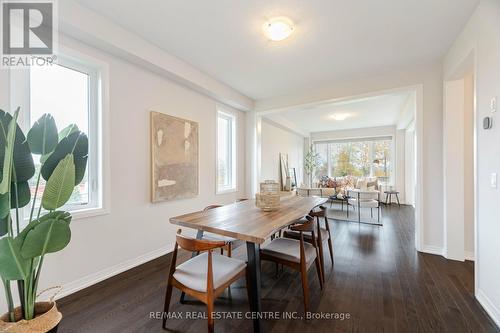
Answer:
[(244, 221)]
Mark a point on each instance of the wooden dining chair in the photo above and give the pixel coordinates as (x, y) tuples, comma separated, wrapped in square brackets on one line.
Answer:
[(323, 234), (296, 254), (228, 244), (215, 237), (204, 276)]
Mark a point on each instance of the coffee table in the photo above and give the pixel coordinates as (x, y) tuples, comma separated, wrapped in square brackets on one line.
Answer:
[(334, 198)]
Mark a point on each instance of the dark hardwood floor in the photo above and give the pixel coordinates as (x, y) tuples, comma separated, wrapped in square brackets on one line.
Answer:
[(379, 280)]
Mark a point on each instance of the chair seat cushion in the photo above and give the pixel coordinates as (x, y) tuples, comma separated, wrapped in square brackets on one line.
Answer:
[(289, 249), (217, 237), (193, 273), (364, 203), (296, 234)]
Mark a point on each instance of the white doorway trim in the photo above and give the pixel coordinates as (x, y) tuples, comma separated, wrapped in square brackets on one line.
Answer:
[(419, 121)]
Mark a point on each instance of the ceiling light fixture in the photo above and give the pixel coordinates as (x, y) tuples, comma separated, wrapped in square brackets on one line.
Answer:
[(340, 116), (278, 28)]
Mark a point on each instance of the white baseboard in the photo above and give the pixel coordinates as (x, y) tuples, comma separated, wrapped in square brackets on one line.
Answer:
[(104, 274), (488, 306), (469, 255), (431, 249)]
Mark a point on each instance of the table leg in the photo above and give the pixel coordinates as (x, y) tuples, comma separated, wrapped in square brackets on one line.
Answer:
[(397, 198), (199, 235), (254, 283)]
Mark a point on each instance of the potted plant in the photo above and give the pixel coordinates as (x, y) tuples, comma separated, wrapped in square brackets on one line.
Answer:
[(311, 162), (24, 242)]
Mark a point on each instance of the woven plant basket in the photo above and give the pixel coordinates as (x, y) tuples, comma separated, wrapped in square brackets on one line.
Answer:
[(47, 317)]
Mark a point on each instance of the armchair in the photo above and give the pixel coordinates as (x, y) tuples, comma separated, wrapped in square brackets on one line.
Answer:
[(364, 199)]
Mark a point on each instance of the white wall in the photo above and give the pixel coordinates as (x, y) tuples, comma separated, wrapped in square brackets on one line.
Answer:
[(481, 35), (410, 164), (453, 163), (368, 132), (276, 139), (469, 166), (136, 230)]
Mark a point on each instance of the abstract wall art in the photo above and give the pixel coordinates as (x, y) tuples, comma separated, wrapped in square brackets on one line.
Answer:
[(174, 158)]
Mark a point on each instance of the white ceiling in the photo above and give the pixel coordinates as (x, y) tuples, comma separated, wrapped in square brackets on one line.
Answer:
[(383, 110), (334, 40)]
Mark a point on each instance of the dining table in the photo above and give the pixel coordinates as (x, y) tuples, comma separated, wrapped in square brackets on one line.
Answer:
[(246, 222)]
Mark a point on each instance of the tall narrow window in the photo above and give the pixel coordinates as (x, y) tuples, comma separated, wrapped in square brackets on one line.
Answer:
[(226, 152), (69, 92)]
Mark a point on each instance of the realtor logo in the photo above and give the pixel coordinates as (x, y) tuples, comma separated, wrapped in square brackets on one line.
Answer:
[(28, 32)]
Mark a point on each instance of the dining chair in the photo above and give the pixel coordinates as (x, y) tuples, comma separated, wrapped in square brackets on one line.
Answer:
[(215, 237), (323, 235), (204, 276), (228, 244), (296, 254)]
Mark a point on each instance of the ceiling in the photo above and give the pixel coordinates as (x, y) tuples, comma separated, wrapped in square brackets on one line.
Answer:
[(334, 40), (383, 110)]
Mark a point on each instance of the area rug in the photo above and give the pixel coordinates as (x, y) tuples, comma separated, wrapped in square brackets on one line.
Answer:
[(337, 212)]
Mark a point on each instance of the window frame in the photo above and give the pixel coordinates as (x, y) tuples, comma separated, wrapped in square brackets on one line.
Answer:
[(373, 139), (97, 105), (231, 150)]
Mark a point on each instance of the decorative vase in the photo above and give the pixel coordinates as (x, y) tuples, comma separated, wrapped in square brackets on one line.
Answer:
[(269, 197), (47, 318)]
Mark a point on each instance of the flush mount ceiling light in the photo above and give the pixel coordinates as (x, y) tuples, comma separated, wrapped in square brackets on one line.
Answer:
[(340, 116), (278, 28)]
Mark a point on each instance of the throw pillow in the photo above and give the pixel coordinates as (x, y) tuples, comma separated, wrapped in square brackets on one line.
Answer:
[(361, 184)]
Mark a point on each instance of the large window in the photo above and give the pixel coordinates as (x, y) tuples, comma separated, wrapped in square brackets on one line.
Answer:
[(226, 152), (360, 158), (69, 92)]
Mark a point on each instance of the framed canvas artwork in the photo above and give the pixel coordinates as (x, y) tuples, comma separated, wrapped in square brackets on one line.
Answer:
[(174, 158)]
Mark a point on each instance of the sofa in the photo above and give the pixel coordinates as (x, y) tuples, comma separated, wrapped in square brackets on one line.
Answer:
[(328, 186)]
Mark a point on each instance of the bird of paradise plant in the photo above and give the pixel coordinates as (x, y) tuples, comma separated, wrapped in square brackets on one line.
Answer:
[(63, 158)]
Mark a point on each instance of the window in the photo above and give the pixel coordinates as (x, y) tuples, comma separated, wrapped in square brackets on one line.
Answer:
[(69, 91), (226, 152), (359, 158)]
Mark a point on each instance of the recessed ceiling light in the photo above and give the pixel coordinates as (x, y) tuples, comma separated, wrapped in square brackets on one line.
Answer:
[(278, 28), (340, 116)]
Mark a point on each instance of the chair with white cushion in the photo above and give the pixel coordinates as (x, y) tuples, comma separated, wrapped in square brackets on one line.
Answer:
[(364, 199), (204, 276), (215, 237), (323, 234), (296, 254)]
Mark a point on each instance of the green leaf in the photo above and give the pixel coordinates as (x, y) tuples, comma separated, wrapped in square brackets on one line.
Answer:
[(60, 185), (70, 129), (23, 195), (4, 205), (7, 139), (43, 137), (3, 226), (51, 234), (77, 144), (12, 265), (23, 166)]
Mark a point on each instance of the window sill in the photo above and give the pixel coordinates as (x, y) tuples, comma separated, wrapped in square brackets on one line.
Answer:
[(231, 190), (89, 212)]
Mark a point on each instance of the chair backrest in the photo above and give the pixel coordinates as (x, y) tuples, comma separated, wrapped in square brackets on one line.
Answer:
[(318, 211), (304, 226), (195, 245), (211, 207), (364, 195)]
